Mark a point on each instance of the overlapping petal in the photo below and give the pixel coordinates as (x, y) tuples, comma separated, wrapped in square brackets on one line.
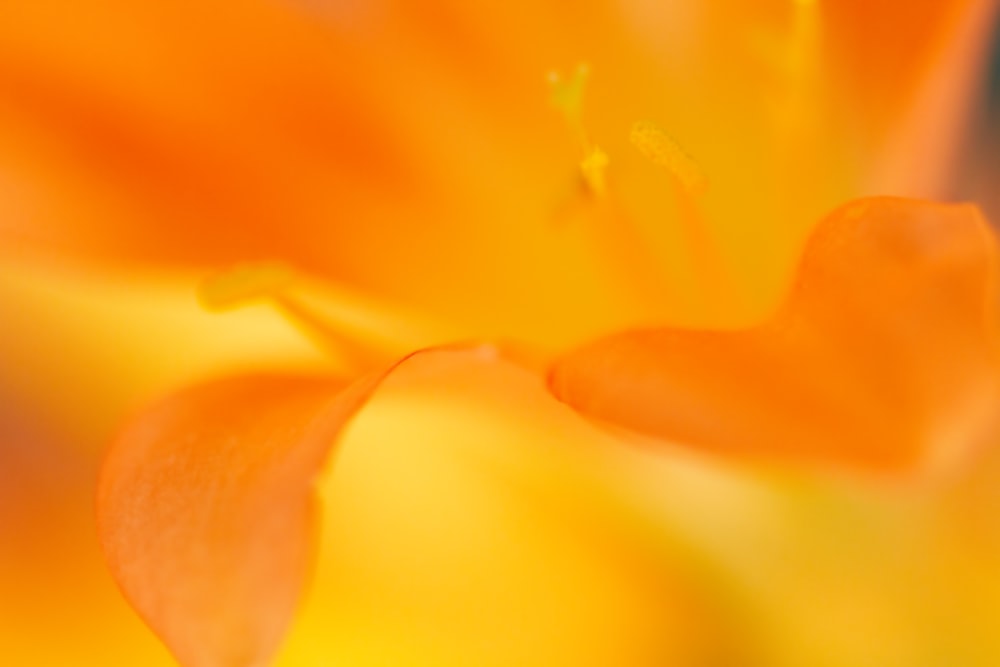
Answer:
[(884, 355), (206, 509), (205, 513)]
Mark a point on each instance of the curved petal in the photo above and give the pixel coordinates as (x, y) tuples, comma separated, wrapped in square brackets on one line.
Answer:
[(884, 356), (206, 510)]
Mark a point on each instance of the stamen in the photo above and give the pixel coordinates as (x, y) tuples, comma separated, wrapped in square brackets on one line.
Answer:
[(689, 182), (362, 332), (567, 96), (593, 169), (662, 150)]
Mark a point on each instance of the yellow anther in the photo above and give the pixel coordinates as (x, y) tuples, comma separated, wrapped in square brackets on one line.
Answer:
[(593, 168), (245, 283), (662, 150)]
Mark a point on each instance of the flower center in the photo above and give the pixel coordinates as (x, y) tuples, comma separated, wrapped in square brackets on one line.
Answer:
[(713, 279)]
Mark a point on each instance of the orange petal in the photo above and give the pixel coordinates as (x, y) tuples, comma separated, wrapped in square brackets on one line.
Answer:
[(206, 509), (124, 133), (884, 356)]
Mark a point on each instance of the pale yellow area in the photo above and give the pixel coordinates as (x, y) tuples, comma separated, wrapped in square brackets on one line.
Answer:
[(472, 527), (482, 524), (838, 571)]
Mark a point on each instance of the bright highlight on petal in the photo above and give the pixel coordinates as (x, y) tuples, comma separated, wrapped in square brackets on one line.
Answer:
[(472, 520), (883, 357)]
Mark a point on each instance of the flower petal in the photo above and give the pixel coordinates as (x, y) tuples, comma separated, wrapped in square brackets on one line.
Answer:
[(205, 512), (884, 356), (206, 509), (126, 135), (318, 140)]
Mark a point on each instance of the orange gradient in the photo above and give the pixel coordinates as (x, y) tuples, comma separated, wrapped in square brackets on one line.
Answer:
[(684, 379)]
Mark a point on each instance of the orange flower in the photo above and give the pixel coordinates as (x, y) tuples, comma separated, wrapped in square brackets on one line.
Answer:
[(389, 151), (378, 146), (883, 357)]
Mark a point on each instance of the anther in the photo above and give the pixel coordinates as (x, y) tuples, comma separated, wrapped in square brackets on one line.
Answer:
[(663, 150), (593, 168), (689, 182), (567, 96)]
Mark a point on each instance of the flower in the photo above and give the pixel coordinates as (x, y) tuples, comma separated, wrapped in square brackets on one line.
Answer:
[(557, 228)]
